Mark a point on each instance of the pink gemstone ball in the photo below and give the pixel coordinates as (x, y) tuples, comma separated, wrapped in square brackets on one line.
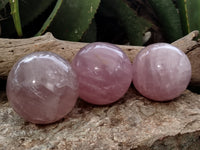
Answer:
[(161, 72), (42, 87), (104, 72)]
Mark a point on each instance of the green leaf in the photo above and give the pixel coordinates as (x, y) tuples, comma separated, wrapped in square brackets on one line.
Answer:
[(168, 18), (183, 11), (190, 14), (73, 19), (3, 3), (31, 9), (14, 5), (134, 25), (50, 18), (91, 34), (28, 10)]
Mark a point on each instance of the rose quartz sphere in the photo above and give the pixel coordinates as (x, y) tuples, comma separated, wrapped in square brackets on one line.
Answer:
[(104, 72), (42, 87), (161, 72)]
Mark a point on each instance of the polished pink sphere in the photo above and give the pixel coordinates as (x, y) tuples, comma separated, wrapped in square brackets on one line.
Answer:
[(104, 72), (161, 72), (42, 87)]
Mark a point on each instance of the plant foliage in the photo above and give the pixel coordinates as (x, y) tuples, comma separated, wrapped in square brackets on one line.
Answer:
[(117, 21), (3, 3), (73, 19), (134, 25), (168, 18), (190, 14)]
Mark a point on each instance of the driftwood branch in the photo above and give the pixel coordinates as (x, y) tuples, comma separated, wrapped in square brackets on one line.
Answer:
[(132, 123), (12, 50)]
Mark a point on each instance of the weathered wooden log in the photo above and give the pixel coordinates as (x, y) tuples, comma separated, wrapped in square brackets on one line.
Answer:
[(132, 123), (12, 50)]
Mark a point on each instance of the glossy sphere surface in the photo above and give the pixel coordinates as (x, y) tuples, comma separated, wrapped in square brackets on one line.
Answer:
[(104, 73), (161, 72), (42, 87)]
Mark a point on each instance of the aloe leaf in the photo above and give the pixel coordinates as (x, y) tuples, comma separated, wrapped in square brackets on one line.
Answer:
[(14, 5), (29, 10), (50, 18), (91, 34), (194, 14), (3, 3), (190, 14), (183, 11), (73, 19), (168, 18), (134, 25)]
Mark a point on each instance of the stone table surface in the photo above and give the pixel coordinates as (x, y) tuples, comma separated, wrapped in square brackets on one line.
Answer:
[(132, 123)]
